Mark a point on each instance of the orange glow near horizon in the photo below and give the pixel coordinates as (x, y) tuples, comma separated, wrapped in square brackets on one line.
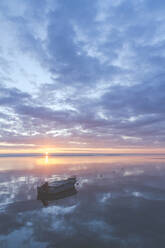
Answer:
[(83, 160), (73, 164), (50, 150)]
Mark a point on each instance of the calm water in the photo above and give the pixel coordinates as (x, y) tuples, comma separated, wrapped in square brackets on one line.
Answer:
[(120, 202)]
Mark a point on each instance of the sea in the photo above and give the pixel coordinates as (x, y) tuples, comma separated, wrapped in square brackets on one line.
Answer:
[(118, 201)]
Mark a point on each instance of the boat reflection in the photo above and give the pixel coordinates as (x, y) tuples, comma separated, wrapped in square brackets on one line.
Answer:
[(50, 198)]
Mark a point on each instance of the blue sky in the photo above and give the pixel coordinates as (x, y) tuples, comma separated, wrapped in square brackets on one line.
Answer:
[(82, 73)]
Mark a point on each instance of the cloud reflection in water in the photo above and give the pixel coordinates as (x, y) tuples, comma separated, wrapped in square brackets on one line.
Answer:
[(111, 209)]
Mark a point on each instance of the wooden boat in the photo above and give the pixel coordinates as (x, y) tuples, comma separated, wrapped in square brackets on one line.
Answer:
[(53, 189), (56, 184)]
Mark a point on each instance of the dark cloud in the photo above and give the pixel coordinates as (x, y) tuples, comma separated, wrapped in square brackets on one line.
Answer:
[(12, 96)]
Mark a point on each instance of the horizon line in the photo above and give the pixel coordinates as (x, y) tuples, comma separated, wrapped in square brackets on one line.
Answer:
[(41, 154)]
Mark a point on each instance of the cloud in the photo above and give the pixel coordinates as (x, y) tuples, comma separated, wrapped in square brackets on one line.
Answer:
[(91, 73)]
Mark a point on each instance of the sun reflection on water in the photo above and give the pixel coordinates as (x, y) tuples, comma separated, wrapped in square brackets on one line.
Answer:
[(46, 159)]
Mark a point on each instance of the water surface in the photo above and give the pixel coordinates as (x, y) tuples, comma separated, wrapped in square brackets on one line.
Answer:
[(120, 202)]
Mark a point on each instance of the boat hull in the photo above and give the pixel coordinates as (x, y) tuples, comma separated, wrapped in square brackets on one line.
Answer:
[(54, 190), (57, 196)]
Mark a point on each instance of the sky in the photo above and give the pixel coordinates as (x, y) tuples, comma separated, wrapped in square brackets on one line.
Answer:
[(82, 74)]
